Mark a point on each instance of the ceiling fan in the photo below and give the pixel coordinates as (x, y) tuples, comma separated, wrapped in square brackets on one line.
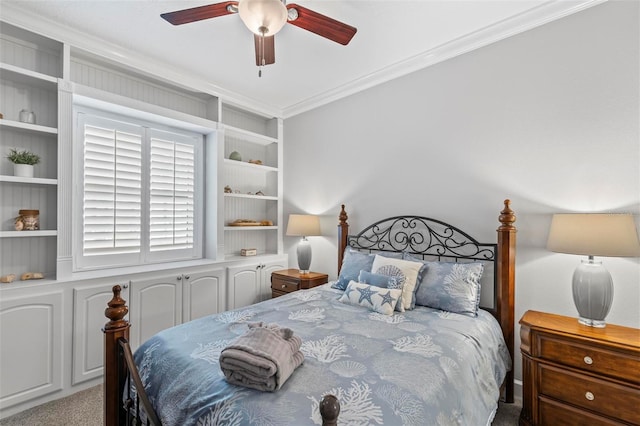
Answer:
[(265, 18)]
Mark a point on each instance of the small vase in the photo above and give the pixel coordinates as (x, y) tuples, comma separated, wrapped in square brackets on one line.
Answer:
[(23, 170)]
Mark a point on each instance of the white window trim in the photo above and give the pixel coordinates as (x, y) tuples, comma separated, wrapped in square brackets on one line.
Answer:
[(84, 263)]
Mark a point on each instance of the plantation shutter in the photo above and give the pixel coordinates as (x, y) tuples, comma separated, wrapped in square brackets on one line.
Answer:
[(171, 192), (112, 175)]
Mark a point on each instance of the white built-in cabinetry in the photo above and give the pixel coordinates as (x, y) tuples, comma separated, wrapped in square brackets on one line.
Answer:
[(51, 338), (251, 283)]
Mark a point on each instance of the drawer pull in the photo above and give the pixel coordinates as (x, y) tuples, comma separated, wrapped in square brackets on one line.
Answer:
[(284, 286), (589, 396), (588, 360)]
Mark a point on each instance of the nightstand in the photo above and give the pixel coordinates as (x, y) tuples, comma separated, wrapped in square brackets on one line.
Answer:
[(290, 280), (573, 374)]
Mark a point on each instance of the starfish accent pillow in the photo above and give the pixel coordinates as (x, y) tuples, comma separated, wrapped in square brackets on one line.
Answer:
[(378, 299)]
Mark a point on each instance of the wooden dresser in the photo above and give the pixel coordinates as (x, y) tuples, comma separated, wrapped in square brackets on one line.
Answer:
[(578, 375), (289, 280)]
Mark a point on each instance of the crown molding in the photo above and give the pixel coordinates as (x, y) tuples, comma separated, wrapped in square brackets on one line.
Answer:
[(545, 13), (517, 24)]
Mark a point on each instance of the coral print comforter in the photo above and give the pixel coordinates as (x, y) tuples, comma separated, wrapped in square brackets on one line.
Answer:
[(420, 367)]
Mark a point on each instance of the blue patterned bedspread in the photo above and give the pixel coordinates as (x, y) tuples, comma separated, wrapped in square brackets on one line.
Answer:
[(420, 367)]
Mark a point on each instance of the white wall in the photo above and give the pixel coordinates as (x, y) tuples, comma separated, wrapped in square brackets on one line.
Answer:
[(548, 118)]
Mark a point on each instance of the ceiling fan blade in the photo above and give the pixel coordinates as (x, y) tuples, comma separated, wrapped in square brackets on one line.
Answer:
[(185, 16), (265, 49), (322, 25)]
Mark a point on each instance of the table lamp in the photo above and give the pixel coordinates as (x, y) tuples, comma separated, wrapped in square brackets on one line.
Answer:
[(303, 225), (593, 234)]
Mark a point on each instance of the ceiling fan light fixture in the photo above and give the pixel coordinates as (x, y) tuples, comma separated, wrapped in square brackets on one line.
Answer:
[(263, 17)]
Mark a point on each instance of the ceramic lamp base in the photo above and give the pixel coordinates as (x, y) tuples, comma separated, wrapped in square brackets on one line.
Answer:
[(592, 293), (304, 255)]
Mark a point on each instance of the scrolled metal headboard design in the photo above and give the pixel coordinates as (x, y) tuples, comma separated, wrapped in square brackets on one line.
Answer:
[(422, 236)]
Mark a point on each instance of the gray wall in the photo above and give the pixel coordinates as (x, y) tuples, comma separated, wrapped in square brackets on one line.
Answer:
[(547, 118)]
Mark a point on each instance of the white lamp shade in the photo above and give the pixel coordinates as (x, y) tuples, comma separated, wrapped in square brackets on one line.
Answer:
[(594, 234), (303, 225), (263, 17)]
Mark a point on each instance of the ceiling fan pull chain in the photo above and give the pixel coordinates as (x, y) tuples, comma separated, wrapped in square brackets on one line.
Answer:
[(262, 59)]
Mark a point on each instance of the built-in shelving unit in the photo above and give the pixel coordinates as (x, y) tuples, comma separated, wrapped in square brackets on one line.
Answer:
[(30, 66), (258, 140)]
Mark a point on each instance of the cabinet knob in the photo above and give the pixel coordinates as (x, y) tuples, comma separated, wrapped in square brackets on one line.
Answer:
[(125, 285), (179, 278), (588, 360), (284, 286), (186, 277), (589, 396)]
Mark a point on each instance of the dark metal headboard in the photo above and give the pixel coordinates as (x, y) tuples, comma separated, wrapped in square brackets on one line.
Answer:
[(421, 236), (428, 239)]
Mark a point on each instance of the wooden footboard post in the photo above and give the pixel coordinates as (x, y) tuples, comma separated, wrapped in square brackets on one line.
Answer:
[(507, 276), (343, 233), (329, 410), (114, 367)]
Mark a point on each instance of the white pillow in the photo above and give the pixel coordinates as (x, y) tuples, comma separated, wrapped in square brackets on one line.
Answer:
[(401, 269), (378, 299)]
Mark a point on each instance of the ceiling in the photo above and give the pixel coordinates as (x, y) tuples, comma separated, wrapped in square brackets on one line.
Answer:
[(394, 37)]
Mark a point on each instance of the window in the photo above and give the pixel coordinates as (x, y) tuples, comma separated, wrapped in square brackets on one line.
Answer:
[(138, 199)]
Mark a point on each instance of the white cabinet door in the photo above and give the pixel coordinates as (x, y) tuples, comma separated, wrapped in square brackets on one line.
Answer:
[(243, 285), (156, 304), (203, 293), (89, 304), (32, 343), (251, 283)]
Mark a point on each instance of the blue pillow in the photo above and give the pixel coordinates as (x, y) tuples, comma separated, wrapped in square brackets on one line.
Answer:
[(378, 280), (352, 263), (355, 261), (451, 286)]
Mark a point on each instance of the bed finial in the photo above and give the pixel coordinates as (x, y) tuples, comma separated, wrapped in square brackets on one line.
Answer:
[(116, 311), (507, 217), (343, 215), (343, 232), (329, 410)]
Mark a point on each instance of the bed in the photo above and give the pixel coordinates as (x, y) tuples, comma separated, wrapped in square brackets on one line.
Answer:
[(362, 365)]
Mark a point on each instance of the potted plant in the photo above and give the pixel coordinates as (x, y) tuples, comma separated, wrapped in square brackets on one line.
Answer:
[(23, 162)]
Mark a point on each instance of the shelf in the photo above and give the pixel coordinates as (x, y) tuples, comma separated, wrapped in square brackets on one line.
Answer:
[(28, 234), (25, 76), (48, 279), (235, 163), (248, 136), (34, 181), (249, 228), (27, 127), (251, 196), (237, 257)]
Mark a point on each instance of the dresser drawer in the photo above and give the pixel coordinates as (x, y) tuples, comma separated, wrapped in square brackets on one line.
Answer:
[(590, 393), (556, 413), (286, 286), (275, 293), (595, 360)]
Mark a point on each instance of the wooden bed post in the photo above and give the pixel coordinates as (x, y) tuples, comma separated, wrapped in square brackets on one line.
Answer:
[(506, 275), (114, 367), (343, 233)]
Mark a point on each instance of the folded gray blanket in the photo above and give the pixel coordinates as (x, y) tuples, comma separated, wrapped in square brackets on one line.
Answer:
[(263, 358)]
